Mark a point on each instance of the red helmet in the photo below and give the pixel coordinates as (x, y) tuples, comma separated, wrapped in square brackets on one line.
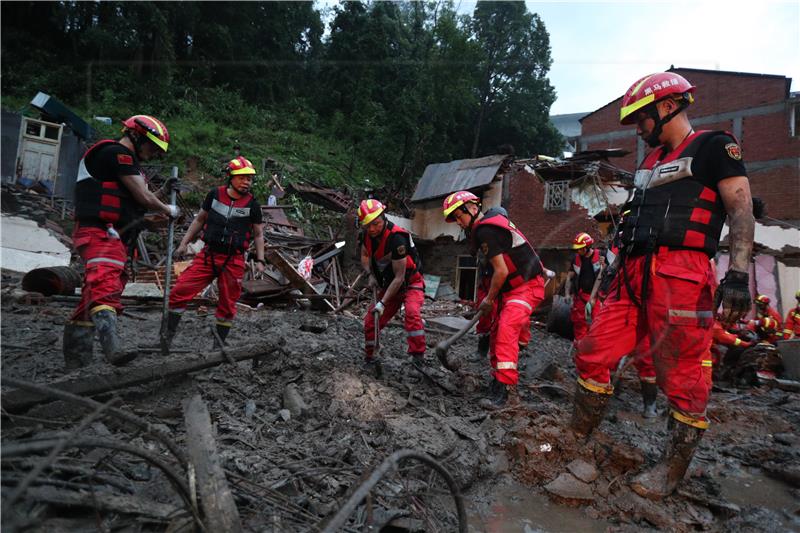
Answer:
[(150, 127), (582, 240), (369, 210), (239, 166), (762, 299), (651, 89), (456, 200)]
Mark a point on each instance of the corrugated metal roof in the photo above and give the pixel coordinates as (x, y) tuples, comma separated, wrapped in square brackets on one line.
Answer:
[(440, 179)]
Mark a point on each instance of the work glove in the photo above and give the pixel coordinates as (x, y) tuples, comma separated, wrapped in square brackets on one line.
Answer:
[(486, 306), (379, 308), (733, 294), (587, 312), (174, 211)]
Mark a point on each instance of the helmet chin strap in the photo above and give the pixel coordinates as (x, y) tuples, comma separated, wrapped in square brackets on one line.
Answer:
[(652, 139)]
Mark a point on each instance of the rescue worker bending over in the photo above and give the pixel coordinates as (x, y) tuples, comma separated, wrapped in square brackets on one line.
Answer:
[(767, 323), (111, 197), (684, 189), (791, 326), (389, 257), (517, 284), (585, 268), (228, 220)]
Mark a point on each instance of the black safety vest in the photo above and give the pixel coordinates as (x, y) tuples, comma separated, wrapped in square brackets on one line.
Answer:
[(671, 207), (522, 262), (104, 200), (227, 229), (383, 271)]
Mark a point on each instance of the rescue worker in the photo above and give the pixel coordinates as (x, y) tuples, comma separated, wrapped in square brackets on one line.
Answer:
[(791, 326), (722, 337), (683, 191), (389, 257), (229, 219), (484, 326), (517, 284), (767, 322), (111, 198), (585, 268)]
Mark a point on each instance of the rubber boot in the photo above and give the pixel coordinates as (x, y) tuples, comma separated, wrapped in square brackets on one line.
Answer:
[(168, 331), (483, 347), (105, 322), (498, 396), (588, 411), (78, 345), (662, 479), (649, 393), (222, 332)]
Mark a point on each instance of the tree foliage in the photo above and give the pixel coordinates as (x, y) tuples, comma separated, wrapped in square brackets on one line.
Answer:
[(393, 85)]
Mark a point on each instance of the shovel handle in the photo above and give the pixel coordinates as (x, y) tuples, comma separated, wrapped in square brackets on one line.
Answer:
[(445, 344)]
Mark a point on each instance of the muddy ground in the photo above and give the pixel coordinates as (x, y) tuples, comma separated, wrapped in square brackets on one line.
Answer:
[(288, 471)]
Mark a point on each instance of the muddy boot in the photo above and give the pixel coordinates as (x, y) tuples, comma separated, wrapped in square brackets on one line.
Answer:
[(649, 392), (498, 396), (222, 332), (168, 331), (588, 411), (373, 367), (483, 347), (78, 345), (105, 322), (662, 479), (418, 360)]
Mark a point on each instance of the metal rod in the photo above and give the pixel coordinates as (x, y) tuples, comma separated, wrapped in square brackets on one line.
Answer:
[(172, 184)]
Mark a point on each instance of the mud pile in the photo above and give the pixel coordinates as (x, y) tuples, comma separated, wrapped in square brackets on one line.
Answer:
[(299, 430)]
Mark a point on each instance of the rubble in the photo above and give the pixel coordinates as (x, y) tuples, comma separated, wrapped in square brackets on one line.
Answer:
[(299, 437)]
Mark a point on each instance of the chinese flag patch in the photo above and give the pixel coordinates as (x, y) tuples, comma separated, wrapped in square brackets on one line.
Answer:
[(124, 159), (734, 152)]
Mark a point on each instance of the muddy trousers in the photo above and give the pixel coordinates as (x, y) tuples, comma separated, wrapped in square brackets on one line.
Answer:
[(104, 280), (675, 318), (512, 323), (484, 325), (229, 271), (412, 297), (578, 315)]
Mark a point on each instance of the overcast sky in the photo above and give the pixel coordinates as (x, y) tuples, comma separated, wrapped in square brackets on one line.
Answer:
[(600, 48)]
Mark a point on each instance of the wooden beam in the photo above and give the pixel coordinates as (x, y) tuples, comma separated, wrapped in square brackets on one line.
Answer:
[(295, 279), (18, 400), (216, 498)]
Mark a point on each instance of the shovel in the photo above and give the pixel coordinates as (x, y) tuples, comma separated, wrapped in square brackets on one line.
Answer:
[(172, 184), (377, 352), (444, 346)]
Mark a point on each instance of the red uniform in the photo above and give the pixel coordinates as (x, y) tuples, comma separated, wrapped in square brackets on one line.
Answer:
[(519, 296), (791, 326), (586, 270), (227, 235), (664, 288), (107, 218), (767, 325), (395, 243)]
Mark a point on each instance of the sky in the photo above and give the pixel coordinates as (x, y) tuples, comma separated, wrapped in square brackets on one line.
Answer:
[(600, 48)]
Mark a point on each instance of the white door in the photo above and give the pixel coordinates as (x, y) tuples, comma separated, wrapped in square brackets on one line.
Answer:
[(38, 150)]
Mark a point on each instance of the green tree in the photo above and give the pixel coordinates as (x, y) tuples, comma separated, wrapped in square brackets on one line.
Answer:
[(514, 92)]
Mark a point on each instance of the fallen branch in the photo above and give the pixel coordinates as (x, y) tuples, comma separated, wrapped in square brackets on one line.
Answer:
[(19, 400), (134, 420)]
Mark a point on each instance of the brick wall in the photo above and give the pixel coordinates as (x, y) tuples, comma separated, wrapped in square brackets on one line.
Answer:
[(543, 228), (771, 155)]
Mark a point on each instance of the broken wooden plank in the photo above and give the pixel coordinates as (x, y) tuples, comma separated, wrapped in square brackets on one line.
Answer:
[(16, 401), (216, 498), (295, 279)]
